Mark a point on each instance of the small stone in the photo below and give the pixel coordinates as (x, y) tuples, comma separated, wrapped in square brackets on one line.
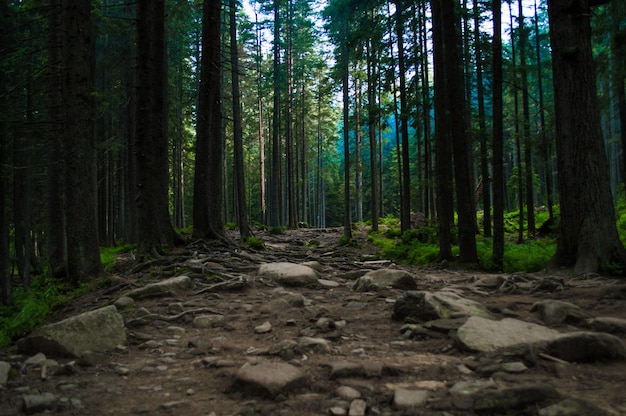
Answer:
[(35, 360), (34, 403), (328, 283), (264, 328), (206, 321), (4, 372), (337, 411), (348, 393), (409, 399), (514, 367), (124, 303), (357, 408)]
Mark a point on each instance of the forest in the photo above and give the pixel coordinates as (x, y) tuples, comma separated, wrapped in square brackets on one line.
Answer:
[(141, 122)]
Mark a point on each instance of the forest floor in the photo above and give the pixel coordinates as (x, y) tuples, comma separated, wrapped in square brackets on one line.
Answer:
[(177, 367)]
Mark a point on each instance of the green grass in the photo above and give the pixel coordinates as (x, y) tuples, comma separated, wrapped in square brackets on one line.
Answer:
[(108, 255)]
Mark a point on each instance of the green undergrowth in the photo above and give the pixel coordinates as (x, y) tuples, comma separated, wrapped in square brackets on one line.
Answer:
[(421, 247), (29, 310)]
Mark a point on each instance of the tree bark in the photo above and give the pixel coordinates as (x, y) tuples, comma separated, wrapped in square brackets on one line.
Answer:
[(242, 209), (497, 125), (588, 239), (208, 216), (83, 251)]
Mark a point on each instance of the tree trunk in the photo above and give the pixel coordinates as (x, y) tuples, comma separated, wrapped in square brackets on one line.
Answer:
[(208, 200), (372, 118), (240, 187), (5, 275), (443, 144), (498, 139), (588, 238), (446, 18), (405, 219), (528, 168), (482, 126), (347, 217), (83, 251), (274, 202)]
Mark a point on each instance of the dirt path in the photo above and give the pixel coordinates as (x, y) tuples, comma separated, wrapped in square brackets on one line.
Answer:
[(360, 356)]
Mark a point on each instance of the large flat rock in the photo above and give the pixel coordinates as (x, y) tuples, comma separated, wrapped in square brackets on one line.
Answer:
[(290, 274), (268, 379), (486, 335), (99, 330), (425, 306)]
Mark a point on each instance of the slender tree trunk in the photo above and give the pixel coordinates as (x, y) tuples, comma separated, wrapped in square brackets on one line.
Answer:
[(242, 210), (83, 251), (358, 148), (289, 140), (154, 226), (528, 168), (275, 167), (546, 146), (5, 275), (372, 118), (443, 145), (347, 217), (208, 210), (588, 238), (405, 220), (498, 139), (55, 224), (482, 126)]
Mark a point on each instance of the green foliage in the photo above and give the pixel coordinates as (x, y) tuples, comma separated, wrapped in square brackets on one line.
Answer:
[(255, 243), (108, 255), (30, 310), (277, 230), (420, 247)]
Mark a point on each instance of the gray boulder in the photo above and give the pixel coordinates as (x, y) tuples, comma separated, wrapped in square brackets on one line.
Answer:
[(289, 274), (554, 312), (587, 346), (486, 335), (4, 372), (268, 379), (99, 330), (423, 306), (169, 287), (610, 325), (376, 280), (572, 407), (514, 398)]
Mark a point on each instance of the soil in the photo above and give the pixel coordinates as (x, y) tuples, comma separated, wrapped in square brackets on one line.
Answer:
[(160, 372)]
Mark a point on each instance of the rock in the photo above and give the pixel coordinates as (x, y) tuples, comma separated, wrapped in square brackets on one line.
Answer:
[(572, 407), (329, 284), (348, 393), (358, 407), (512, 398), (469, 387), (319, 345), (376, 280), (616, 326), (207, 321), (35, 403), (100, 330), (554, 312), (5, 368), (124, 303), (423, 306), (289, 274), (268, 379), (346, 369), (409, 399), (337, 411), (486, 335), (169, 287), (264, 328), (587, 346)]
